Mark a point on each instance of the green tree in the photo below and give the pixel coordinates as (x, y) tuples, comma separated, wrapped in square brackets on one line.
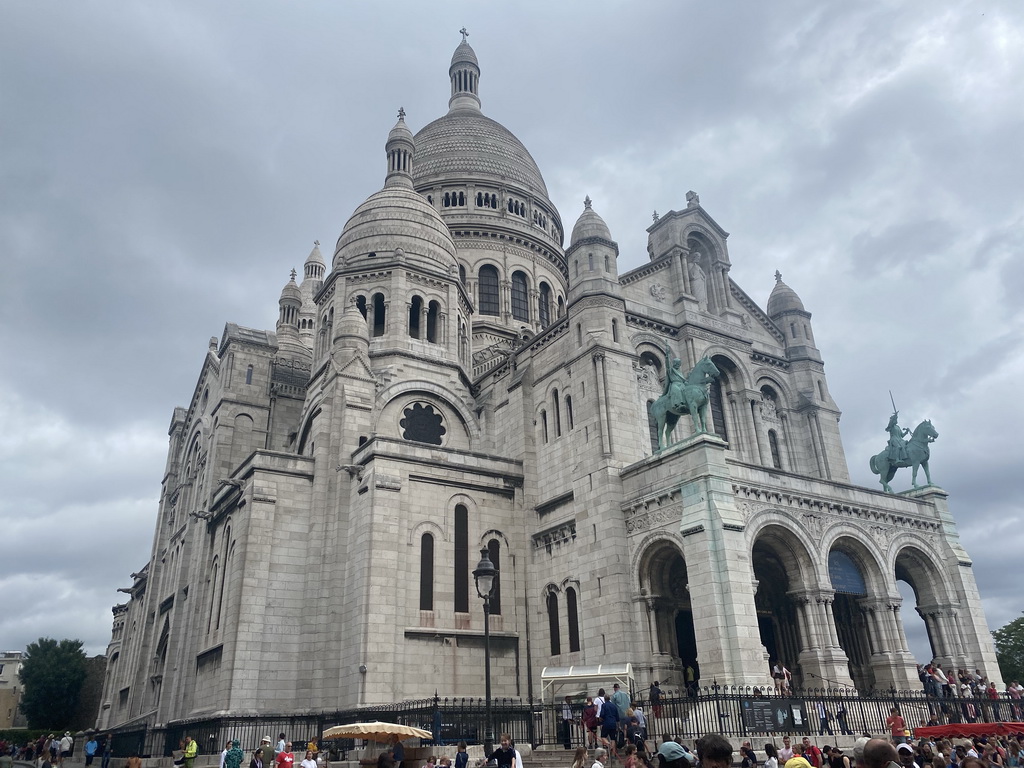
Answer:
[(1010, 650), (52, 673)]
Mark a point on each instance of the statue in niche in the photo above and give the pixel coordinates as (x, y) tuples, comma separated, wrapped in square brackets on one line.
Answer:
[(682, 395), (904, 453), (698, 282)]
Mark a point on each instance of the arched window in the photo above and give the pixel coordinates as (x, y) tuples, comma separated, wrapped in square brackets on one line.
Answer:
[(489, 304), (361, 305), (717, 407), (821, 390), (577, 267), (590, 261), (248, 375), (433, 311), (568, 411), (558, 413), (462, 274), (461, 565), (479, 199), (462, 198), (379, 314), (572, 608), (561, 306), (607, 268), (615, 330), (520, 302), (553, 631), (415, 310), (579, 335), (427, 572), (447, 199), (773, 443), (494, 552), (544, 424), (545, 304)]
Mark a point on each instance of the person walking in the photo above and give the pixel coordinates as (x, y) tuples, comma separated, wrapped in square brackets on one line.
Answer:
[(191, 750), (567, 723)]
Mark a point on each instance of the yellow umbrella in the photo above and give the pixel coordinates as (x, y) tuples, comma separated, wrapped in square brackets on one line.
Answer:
[(377, 731)]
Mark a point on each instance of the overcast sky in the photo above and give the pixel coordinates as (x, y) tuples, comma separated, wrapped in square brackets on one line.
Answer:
[(165, 165)]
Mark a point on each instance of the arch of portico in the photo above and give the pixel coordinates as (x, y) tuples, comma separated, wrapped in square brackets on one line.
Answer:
[(935, 602), (664, 585), (865, 610)]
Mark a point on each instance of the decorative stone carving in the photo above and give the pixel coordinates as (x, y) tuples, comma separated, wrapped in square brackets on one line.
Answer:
[(658, 292)]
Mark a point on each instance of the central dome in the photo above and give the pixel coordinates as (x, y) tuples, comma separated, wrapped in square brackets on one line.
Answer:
[(468, 144)]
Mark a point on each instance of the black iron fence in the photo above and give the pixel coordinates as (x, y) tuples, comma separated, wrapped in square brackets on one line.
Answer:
[(732, 711)]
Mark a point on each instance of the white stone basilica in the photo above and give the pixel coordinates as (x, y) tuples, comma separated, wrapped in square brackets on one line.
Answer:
[(456, 380)]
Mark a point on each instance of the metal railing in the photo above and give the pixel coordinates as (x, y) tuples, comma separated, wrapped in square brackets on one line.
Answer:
[(732, 711)]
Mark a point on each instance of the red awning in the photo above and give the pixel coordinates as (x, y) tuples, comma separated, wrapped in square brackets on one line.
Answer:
[(968, 730)]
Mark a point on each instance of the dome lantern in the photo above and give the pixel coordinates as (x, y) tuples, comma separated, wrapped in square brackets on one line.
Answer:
[(400, 147), (464, 74)]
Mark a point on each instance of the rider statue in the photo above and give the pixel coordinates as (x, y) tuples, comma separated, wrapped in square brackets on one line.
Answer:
[(897, 445), (674, 381)]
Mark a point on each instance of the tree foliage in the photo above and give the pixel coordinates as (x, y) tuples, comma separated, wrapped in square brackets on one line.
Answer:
[(1010, 650), (52, 672)]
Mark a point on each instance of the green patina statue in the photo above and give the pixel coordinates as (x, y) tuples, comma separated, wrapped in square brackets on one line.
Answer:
[(682, 395), (904, 453)]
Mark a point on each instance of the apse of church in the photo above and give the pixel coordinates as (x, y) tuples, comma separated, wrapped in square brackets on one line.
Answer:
[(459, 376)]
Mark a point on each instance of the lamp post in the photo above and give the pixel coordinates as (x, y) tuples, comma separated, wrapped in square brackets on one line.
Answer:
[(484, 576)]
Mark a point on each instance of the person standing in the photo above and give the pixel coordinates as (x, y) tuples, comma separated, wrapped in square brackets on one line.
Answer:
[(281, 743), (567, 723), (896, 725), (309, 761), (285, 758), (461, 756), (67, 744), (235, 755), (772, 756), (90, 749), (504, 756), (622, 702), (579, 759), (257, 758), (224, 753), (267, 752), (600, 756), (655, 697), (786, 753), (589, 720), (191, 750)]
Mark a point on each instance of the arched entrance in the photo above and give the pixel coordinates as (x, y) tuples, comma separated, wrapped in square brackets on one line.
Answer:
[(663, 575), (847, 578), (940, 640), (775, 557)]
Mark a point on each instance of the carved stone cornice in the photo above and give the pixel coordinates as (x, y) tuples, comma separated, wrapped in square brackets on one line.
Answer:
[(882, 523)]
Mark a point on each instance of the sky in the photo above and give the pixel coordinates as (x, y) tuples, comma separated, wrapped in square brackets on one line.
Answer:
[(164, 166)]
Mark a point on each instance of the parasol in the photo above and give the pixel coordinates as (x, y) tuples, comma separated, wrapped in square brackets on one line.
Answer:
[(968, 730), (376, 731)]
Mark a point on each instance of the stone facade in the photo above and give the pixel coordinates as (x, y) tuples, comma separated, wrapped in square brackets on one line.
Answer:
[(456, 381)]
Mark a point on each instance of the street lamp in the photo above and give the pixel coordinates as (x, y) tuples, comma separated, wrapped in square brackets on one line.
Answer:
[(484, 577)]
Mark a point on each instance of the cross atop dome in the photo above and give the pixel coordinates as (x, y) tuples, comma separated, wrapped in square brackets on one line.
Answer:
[(587, 202), (778, 276), (294, 273), (464, 34), (401, 113)]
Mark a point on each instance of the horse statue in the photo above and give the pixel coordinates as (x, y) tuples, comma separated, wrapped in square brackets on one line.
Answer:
[(682, 395), (904, 453)]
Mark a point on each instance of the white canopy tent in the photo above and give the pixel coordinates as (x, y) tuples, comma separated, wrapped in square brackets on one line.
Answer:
[(599, 673)]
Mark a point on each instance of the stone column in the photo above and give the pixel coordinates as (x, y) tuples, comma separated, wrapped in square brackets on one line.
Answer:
[(423, 320), (760, 433)]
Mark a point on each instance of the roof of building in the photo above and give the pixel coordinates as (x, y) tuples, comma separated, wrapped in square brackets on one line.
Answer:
[(589, 224), (783, 298)]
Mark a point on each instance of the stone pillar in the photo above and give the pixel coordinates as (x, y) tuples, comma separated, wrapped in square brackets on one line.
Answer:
[(760, 433)]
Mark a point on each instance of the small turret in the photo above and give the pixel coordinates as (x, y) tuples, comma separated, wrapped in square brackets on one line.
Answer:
[(592, 256), (787, 311), (351, 334), (288, 341), (399, 148)]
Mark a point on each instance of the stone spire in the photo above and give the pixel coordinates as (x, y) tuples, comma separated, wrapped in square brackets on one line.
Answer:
[(464, 74), (400, 148)]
